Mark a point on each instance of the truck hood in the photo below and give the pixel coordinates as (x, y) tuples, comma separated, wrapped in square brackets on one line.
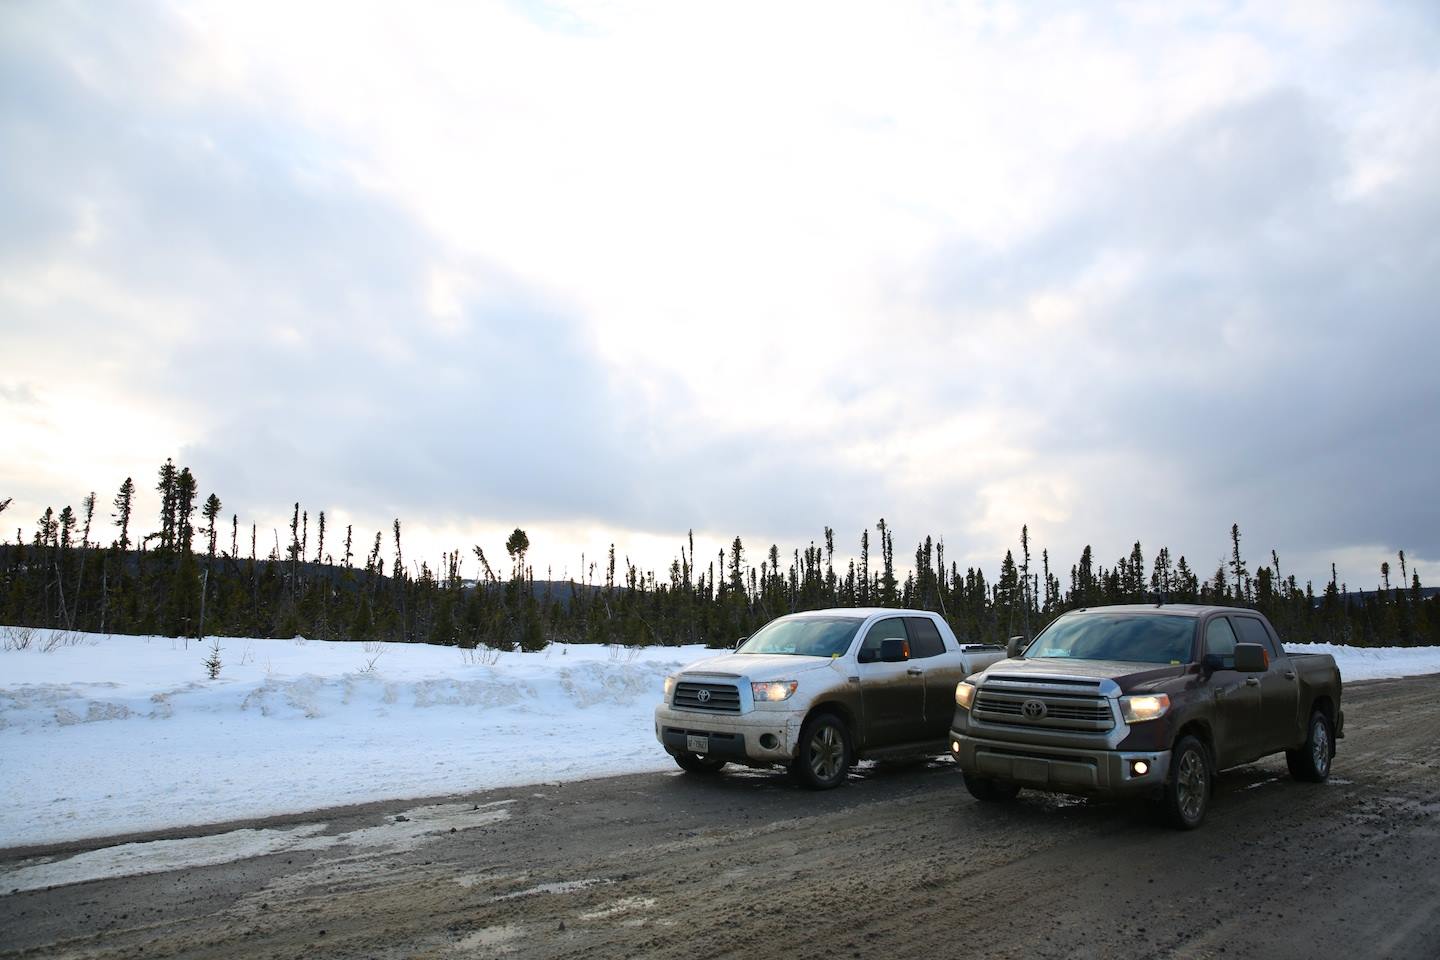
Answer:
[(1129, 675), (758, 666)]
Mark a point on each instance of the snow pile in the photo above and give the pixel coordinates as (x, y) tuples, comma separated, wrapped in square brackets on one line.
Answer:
[(106, 735), (111, 734), (1375, 663)]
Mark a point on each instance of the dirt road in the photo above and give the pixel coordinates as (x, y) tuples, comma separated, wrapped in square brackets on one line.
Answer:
[(895, 864)]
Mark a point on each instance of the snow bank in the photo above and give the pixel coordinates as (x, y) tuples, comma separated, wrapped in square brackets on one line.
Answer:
[(1375, 663), (104, 735), (115, 734)]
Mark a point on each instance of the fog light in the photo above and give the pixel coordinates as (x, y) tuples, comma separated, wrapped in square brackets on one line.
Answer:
[(954, 746), (1140, 768), (768, 741)]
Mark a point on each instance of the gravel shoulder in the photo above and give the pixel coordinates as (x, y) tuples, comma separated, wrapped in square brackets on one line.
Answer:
[(897, 863)]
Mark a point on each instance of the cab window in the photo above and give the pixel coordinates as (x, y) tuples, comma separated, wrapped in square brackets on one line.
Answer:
[(1220, 641), (925, 640), (1253, 631), (887, 629)]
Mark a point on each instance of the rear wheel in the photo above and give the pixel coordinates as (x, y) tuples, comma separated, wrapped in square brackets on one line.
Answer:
[(1312, 761), (698, 762), (824, 754), (1187, 791), (990, 791)]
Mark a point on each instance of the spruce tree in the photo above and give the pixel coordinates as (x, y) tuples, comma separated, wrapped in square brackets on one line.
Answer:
[(1237, 565), (210, 511), (87, 507), (165, 486)]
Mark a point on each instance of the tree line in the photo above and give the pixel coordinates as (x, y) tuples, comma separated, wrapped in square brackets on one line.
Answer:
[(191, 576)]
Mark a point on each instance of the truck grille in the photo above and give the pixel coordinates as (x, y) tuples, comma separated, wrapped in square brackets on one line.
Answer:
[(708, 697), (1068, 704)]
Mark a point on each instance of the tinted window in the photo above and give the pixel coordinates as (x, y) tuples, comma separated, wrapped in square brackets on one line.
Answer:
[(1220, 640), (1253, 631), (925, 638), (891, 628), (1135, 638)]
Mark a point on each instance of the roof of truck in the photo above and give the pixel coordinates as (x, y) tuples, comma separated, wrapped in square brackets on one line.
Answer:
[(1177, 609), (859, 613)]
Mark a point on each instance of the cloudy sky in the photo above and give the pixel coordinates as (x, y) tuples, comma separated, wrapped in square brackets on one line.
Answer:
[(612, 271)]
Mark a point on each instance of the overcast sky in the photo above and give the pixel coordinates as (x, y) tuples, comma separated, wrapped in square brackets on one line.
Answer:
[(611, 271)]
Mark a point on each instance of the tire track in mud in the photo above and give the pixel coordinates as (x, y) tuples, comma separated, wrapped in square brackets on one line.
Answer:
[(897, 863)]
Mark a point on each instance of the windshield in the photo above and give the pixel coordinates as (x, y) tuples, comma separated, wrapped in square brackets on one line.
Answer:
[(1157, 638), (804, 636)]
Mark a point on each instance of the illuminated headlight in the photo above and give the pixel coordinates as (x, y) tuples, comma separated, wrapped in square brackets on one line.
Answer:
[(774, 690), (1140, 708), (669, 687), (964, 694)]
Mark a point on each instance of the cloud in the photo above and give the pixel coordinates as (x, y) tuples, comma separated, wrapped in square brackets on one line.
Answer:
[(1117, 274)]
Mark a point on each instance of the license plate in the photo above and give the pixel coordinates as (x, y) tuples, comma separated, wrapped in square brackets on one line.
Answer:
[(1031, 771), (697, 744)]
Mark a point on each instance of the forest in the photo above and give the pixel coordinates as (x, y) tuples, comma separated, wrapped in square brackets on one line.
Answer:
[(197, 575)]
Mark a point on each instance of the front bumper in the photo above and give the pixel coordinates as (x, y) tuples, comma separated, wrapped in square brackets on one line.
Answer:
[(1061, 769), (759, 736)]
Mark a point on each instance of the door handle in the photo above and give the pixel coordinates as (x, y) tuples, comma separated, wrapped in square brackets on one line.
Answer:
[(1252, 681), (915, 671), (1289, 674)]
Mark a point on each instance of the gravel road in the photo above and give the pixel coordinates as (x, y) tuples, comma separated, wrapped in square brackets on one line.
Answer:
[(900, 862)]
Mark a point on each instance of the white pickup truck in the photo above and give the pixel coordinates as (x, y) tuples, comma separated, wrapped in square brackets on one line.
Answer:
[(818, 691)]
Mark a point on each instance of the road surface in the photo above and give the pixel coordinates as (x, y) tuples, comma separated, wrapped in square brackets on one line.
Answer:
[(897, 863)]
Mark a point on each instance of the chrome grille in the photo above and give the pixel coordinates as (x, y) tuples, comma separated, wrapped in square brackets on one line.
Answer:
[(1005, 703), (707, 697)]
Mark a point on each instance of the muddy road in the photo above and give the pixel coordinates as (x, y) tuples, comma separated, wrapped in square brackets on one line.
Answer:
[(898, 863)]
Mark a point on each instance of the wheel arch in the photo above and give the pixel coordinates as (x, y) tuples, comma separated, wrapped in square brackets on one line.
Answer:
[(1325, 705), (1200, 730), (843, 712)]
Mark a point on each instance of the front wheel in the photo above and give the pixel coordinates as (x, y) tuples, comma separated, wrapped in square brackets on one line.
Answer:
[(1187, 791), (990, 791), (1312, 761), (698, 762), (824, 755)]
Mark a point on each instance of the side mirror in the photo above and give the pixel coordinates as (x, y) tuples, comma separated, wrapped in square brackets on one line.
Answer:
[(1251, 658), (1015, 647), (892, 650), (740, 641)]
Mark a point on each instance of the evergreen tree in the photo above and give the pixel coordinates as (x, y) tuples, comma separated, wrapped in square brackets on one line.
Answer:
[(1237, 565), (166, 488), (210, 511), (124, 500)]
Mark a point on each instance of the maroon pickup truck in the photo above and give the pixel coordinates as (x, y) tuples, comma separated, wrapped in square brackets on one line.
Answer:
[(1145, 700)]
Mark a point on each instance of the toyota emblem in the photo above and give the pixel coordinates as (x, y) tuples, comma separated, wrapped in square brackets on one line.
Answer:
[(1033, 709), (702, 695)]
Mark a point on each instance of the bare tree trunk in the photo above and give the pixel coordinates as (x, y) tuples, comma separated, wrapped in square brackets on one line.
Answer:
[(64, 615), (204, 590), (79, 579)]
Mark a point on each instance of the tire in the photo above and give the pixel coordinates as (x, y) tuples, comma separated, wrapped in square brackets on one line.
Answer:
[(1189, 786), (698, 763), (1311, 763), (990, 791), (824, 756)]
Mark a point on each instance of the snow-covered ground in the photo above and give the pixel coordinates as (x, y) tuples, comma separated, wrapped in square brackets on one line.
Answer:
[(103, 735), (113, 734)]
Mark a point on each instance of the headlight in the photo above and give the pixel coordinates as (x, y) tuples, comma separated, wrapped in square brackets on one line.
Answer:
[(1140, 708), (669, 687), (774, 690), (964, 694)]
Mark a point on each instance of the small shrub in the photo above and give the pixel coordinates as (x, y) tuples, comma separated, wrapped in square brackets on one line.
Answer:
[(18, 638), (212, 659)]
